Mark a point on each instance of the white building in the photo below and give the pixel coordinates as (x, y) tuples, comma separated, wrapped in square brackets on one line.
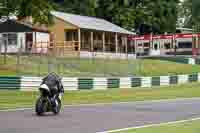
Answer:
[(16, 35)]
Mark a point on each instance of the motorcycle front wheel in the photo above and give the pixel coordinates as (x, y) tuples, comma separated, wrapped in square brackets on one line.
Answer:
[(40, 107)]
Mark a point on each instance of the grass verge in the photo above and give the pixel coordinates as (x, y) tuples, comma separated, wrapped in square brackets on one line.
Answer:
[(75, 67), (18, 99), (185, 127)]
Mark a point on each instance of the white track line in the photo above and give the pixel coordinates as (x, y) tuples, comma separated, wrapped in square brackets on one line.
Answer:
[(13, 110), (152, 125), (114, 103)]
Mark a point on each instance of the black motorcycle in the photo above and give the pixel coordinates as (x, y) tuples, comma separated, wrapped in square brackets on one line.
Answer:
[(49, 101)]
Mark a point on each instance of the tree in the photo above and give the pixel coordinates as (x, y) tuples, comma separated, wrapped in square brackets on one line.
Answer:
[(83, 7), (194, 6), (185, 13), (8, 7), (120, 12), (105, 9), (125, 13), (38, 9), (161, 14), (130, 14)]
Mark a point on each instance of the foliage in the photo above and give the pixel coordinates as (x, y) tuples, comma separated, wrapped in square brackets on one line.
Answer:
[(162, 14), (38, 9), (195, 18), (8, 7), (129, 14), (187, 13)]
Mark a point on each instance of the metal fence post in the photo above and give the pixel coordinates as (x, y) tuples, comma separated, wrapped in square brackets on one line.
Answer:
[(5, 50), (18, 56), (1, 40), (40, 62)]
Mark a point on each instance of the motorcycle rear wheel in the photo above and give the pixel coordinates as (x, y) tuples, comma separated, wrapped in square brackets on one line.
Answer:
[(56, 110)]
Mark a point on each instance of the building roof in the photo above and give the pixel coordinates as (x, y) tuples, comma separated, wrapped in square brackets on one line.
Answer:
[(184, 30), (92, 23), (181, 28), (17, 26)]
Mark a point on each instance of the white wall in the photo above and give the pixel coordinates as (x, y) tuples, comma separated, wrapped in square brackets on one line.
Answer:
[(21, 41), (184, 40), (154, 51), (14, 47), (42, 41), (42, 37)]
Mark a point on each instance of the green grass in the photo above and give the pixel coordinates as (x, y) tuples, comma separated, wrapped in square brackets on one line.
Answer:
[(185, 127), (18, 99), (36, 65)]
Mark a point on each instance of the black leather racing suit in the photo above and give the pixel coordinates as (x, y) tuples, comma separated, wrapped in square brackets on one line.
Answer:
[(53, 81)]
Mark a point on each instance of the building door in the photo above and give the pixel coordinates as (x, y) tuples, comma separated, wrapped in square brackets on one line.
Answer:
[(29, 41)]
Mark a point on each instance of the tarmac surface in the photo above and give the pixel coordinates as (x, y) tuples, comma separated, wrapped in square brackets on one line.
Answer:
[(99, 118)]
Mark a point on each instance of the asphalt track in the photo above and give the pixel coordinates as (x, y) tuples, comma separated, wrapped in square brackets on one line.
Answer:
[(98, 118)]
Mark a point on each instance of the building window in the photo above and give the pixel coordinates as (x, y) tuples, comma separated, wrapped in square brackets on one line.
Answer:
[(167, 45), (71, 36), (12, 38), (140, 45), (185, 45), (68, 36), (156, 46), (146, 45)]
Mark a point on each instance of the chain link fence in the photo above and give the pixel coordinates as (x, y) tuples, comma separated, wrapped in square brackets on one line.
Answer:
[(43, 59)]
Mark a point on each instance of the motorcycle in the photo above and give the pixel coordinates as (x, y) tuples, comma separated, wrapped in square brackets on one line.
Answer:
[(49, 101)]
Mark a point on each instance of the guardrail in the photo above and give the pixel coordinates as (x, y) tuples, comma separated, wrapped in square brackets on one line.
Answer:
[(178, 59), (32, 83), (10, 82)]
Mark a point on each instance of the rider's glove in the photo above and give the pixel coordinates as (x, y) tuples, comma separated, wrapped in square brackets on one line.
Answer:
[(60, 96)]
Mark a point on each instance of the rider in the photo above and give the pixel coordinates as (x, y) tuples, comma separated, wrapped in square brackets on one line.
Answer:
[(54, 83)]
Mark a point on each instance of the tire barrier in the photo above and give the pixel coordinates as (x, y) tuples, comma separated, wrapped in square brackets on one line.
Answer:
[(32, 83)]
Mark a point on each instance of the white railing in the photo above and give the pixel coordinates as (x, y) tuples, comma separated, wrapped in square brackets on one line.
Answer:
[(85, 54)]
